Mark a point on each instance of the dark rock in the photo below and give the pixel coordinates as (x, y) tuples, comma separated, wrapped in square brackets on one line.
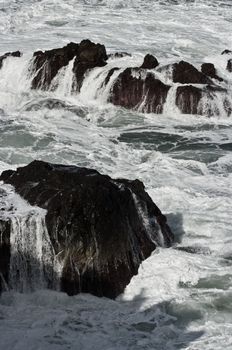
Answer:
[(214, 88), (185, 73), (9, 54), (188, 98), (109, 75), (47, 64), (5, 227), (102, 228), (209, 70), (119, 55), (226, 52), (229, 65), (149, 62), (194, 250), (136, 88), (227, 106), (38, 53), (14, 54), (89, 56), (212, 108)]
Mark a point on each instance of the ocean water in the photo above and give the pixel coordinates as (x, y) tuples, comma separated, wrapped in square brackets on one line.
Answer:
[(182, 296)]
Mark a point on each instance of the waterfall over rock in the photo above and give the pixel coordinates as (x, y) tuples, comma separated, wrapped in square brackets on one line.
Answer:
[(86, 71), (27, 259), (88, 233)]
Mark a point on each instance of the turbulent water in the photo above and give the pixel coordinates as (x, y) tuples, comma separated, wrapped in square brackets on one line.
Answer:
[(182, 297)]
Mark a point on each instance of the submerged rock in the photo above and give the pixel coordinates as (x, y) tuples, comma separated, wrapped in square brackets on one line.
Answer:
[(119, 55), (229, 65), (9, 54), (226, 52), (100, 228), (139, 89)]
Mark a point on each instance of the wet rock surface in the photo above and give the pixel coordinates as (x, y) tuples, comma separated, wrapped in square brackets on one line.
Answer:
[(209, 70), (199, 100), (4, 254), (229, 65), (90, 55), (186, 73), (100, 228), (188, 98), (110, 74), (136, 88), (47, 64), (9, 54), (149, 62)]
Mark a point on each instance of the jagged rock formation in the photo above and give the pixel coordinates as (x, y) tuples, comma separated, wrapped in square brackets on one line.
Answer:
[(89, 56), (186, 73), (144, 88), (47, 64), (135, 88), (100, 228)]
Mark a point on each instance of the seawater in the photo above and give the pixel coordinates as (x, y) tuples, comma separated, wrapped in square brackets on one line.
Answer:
[(182, 297)]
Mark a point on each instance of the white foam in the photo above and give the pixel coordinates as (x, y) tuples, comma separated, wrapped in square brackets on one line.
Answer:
[(33, 262), (164, 306)]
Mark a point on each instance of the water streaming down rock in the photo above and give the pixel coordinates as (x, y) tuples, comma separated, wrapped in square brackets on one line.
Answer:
[(9, 54), (64, 81), (100, 229), (180, 299), (15, 81), (32, 258), (82, 70), (138, 89), (171, 102), (27, 259), (142, 212)]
